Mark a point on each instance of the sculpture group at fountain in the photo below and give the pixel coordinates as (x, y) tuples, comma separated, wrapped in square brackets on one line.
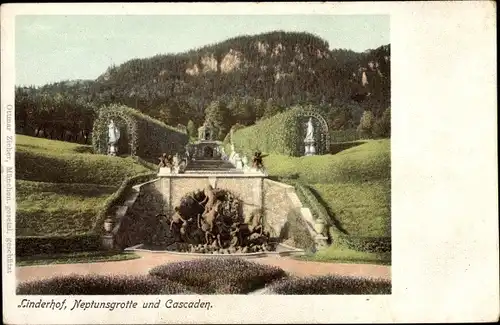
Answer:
[(211, 221), (173, 163)]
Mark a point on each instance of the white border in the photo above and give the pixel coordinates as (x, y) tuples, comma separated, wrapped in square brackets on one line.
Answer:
[(444, 188)]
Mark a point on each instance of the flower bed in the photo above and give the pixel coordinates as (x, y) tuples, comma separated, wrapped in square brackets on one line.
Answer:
[(331, 285), (219, 275), (100, 285)]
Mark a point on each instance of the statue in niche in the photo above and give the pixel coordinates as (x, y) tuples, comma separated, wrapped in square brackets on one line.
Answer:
[(113, 137), (310, 130), (309, 149)]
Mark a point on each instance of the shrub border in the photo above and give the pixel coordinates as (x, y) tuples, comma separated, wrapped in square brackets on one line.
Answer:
[(118, 196)]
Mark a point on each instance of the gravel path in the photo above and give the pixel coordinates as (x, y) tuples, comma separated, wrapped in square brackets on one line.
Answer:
[(150, 260)]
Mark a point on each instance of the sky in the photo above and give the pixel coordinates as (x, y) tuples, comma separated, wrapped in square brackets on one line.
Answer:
[(57, 48)]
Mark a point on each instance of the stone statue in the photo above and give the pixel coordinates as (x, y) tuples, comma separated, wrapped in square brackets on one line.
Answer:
[(210, 198), (114, 136), (310, 130), (309, 140), (165, 161), (257, 161)]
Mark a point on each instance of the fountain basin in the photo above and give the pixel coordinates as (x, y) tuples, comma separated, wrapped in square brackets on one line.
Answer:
[(281, 250)]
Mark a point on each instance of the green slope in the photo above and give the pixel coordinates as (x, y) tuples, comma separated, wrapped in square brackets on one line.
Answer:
[(61, 186)]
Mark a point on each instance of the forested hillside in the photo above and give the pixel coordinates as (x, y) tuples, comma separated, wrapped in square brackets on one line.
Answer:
[(239, 80)]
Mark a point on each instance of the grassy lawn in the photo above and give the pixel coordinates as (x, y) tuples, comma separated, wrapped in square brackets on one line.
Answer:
[(82, 257), (362, 209), (58, 208), (335, 254), (54, 161), (354, 185), (363, 163), (61, 186)]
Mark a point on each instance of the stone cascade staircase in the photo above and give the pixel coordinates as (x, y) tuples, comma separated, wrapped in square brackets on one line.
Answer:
[(211, 166)]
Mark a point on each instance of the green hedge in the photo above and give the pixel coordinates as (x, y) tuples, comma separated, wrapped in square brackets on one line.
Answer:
[(94, 284), (219, 275), (147, 137), (341, 146), (345, 135), (118, 196), (309, 200), (331, 285), (297, 231), (364, 244), (29, 246), (277, 134)]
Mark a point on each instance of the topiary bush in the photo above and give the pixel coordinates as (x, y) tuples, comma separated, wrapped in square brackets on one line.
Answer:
[(331, 285), (100, 285), (219, 275)]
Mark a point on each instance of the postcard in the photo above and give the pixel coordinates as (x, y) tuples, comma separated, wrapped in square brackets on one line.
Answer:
[(249, 163)]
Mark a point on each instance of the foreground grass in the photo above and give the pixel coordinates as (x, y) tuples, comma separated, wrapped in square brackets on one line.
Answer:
[(362, 209), (334, 254), (354, 185), (61, 186), (58, 209), (82, 257)]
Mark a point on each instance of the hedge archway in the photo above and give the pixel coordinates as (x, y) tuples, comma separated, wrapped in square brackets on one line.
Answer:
[(324, 134), (100, 129)]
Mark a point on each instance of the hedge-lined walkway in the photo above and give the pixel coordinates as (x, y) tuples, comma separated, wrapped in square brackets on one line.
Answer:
[(149, 260)]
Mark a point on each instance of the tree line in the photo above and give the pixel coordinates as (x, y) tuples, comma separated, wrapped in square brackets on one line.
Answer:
[(287, 69)]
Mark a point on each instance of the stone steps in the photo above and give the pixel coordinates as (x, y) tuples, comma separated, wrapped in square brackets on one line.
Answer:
[(210, 166)]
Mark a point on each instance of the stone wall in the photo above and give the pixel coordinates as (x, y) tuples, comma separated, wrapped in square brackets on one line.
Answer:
[(276, 200), (247, 189), (139, 221), (277, 205)]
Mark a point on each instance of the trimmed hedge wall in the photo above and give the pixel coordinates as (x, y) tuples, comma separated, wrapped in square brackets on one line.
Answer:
[(341, 146), (278, 134), (331, 285), (118, 196), (310, 201), (147, 137), (364, 244), (296, 230), (281, 134), (29, 246), (93, 284)]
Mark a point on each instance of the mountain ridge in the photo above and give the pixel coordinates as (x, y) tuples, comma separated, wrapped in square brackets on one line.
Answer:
[(251, 76)]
